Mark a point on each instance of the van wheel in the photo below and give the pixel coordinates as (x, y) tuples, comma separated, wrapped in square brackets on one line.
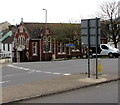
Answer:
[(110, 55)]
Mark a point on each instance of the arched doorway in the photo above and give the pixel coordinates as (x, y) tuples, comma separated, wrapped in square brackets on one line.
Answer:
[(21, 54)]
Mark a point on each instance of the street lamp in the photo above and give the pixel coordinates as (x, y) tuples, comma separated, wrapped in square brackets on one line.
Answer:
[(46, 29), (45, 17)]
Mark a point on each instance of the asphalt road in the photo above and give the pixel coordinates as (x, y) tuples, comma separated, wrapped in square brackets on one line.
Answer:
[(103, 93), (20, 73)]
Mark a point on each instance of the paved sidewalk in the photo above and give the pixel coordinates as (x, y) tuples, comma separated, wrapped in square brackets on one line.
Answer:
[(53, 86)]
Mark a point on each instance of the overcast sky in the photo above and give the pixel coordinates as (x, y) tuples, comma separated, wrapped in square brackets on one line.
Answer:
[(57, 10)]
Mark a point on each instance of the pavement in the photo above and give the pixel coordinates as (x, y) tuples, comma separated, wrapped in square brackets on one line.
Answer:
[(53, 86)]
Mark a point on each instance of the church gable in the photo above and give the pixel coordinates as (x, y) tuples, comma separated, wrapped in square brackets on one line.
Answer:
[(22, 38)]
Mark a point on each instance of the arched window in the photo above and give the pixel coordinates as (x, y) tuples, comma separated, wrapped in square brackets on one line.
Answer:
[(34, 48), (19, 41), (44, 44), (27, 43), (47, 44), (61, 48), (23, 40)]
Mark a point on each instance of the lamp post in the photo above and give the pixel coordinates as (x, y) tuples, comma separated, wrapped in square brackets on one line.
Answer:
[(45, 17), (46, 29)]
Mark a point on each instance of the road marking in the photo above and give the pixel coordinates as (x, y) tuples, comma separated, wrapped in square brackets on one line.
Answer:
[(30, 70), (56, 73), (38, 71), (26, 69), (66, 74), (9, 75), (3, 82), (15, 74), (48, 72)]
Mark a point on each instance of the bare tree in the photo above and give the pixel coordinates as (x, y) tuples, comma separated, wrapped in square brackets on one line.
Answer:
[(111, 20)]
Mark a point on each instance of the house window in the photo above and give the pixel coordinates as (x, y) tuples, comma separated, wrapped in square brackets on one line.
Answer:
[(3, 46), (61, 48), (8, 47), (34, 46), (47, 44)]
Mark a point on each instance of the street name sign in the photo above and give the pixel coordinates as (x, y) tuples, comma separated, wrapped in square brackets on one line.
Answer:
[(69, 45)]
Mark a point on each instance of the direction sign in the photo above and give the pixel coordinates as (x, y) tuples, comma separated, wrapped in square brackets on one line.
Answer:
[(89, 29)]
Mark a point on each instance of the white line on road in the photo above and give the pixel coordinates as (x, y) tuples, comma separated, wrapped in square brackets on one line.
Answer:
[(30, 70), (56, 73), (16, 74), (2, 82), (48, 72), (66, 74)]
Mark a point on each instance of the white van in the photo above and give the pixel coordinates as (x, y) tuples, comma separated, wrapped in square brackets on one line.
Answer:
[(106, 50), (109, 50)]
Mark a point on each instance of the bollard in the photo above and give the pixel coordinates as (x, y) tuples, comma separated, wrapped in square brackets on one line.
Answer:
[(99, 66), (53, 57), (93, 67)]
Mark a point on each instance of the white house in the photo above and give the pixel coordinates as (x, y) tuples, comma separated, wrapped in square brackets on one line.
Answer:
[(6, 41), (7, 48), (3, 26)]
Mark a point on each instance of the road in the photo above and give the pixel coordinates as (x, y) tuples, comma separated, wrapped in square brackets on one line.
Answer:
[(104, 93), (20, 73)]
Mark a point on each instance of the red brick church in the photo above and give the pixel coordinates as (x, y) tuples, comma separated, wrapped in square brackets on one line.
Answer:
[(33, 42)]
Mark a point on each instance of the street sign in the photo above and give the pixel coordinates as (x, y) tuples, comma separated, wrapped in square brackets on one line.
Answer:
[(89, 27), (90, 31), (69, 45)]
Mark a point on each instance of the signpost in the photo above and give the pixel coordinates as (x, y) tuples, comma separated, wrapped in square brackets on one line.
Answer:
[(90, 30)]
